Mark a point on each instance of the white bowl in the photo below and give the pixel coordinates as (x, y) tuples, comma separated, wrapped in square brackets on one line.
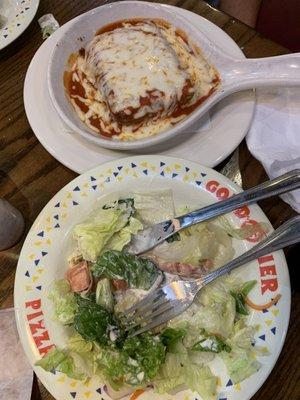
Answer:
[(78, 35)]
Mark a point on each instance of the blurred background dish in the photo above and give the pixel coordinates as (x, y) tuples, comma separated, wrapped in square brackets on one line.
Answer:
[(15, 16)]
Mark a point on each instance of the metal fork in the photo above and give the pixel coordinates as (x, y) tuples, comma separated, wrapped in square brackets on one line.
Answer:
[(171, 300), (150, 237)]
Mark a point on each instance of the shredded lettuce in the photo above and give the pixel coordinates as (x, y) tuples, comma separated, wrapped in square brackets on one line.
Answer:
[(138, 272), (240, 364), (61, 361), (64, 301), (77, 344), (121, 238)]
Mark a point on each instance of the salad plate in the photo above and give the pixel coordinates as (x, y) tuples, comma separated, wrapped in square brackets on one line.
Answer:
[(15, 16), (52, 240), (215, 136)]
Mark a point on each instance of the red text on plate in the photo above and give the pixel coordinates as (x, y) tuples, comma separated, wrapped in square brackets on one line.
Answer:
[(37, 328)]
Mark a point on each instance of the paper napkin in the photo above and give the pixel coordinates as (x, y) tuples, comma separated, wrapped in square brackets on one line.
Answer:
[(274, 136)]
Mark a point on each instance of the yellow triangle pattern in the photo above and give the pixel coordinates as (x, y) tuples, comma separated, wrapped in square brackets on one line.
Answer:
[(83, 194), (86, 185), (126, 170), (109, 171), (64, 205), (275, 312), (153, 168), (48, 219), (168, 169), (144, 164), (40, 270), (268, 322), (61, 379), (88, 394), (48, 241), (135, 174), (37, 244), (35, 278), (31, 257), (120, 178), (265, 350), (28, 288), (73, 384), (87, 382), (186, 178), (69, 195), (64, 215), (257, 327), (101, 186), (177, 166), (48, 228), (237, 387), (194, 174), (219, 382)]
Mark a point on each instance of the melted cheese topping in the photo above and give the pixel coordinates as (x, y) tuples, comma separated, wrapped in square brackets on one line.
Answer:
[(138, 80), (132, 62)]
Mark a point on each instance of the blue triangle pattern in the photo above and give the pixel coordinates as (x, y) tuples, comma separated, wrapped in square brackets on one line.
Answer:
[(202, 174), (262, 337), (99, 390), (174, 175), (229, 383), (187, 169), (273, 330), (162, 173), (120, 167), (44, 253), (107, 179), (198, 183), (27, 274), (223, 398), (56, 216), (75, 203), (36, 262), (94, 187), (265, 311), (57, 205), (92, 178), (133, 165), (41, 234), (39, 287), (145, 171), (73, 394), (116, 173), (57, 226), (76, 189), (162, 164)]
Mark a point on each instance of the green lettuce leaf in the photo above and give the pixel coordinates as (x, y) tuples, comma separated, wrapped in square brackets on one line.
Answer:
[(104, 296), (154, 206), (240, 364), (240, 297), (64, 301), (77, 344), (61, 361), (93, 234), (171, 336), (120, 239), (138, 272), (211, 343), (94, 323)]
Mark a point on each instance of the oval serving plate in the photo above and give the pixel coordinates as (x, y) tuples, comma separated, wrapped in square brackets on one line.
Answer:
[(44, 253)]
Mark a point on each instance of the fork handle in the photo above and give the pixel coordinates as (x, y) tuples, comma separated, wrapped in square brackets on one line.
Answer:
[(282, 184), (287, 234)]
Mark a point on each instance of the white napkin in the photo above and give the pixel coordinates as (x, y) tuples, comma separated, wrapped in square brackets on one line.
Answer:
[(16, 374), (274, 136)]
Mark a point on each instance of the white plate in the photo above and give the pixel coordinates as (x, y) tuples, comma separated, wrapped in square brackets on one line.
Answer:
[(229, 120), (44, 258), (15, 16)]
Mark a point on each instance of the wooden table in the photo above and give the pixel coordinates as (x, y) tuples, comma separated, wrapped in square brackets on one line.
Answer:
[(29, 176)]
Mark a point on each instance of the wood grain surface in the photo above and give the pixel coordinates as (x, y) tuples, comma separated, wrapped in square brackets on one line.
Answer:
[(30, 176)]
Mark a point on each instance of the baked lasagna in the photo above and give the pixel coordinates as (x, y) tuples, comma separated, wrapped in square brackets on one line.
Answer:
[(137, 78)]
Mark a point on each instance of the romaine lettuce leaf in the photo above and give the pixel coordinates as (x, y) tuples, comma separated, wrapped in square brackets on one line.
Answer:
[(64, 301), (77, 344), (93, 234), (240, 297), (171, 336), (240, 364), (94, 323), (104, 296), (61, 361), (138, 272), (121, 238), (211, 343)]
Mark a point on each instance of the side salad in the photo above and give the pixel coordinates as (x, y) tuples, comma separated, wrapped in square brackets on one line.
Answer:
[(103, 279)]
